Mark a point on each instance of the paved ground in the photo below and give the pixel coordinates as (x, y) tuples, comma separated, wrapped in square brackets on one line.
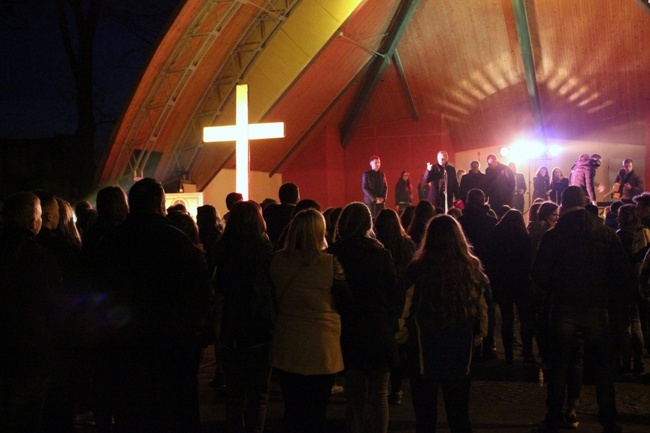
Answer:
[(505, 398)]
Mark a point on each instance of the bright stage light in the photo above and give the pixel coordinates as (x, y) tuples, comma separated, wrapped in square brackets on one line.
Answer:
[(524, 150), (504, 151), (554, 150)]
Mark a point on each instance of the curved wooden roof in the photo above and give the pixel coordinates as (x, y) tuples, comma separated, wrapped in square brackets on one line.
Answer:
[(566, 69)]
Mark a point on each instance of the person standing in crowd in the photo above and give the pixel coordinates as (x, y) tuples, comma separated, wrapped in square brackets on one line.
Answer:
[(499, 183), (368, 327), (277, 216), (306, 345), (159, 282), (442, 181), (243, 257), (583, 174), (507, 265), (473, 179), (391, 234), (30, 318), (582, 268), (632, 344), (541, 184), (446, 318), (403, 191), (630, 183), (557, 186), (423, 213), (374, 186), (518, 201)]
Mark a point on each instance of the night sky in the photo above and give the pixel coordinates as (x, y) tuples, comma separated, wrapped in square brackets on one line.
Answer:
[(37, 95)]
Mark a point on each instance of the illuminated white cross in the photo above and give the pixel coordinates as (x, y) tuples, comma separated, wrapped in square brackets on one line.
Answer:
[(241, 133)]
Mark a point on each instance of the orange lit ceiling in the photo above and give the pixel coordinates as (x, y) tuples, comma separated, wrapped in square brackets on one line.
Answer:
[(565, 69)]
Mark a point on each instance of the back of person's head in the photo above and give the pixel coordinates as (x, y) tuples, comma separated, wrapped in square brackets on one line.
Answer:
[(177, 208), (207, 214), (615, 206), (306, 235), (305, 203), (185, 223), (245, 220), (233, 198), (444, 235), (545, 210), (289, 193), (573, 196), (475, 198), (267, 202), (66, 227), (355, 220), (455, 212), (533, 212), (407, 215), (627, 216), (22, 210), (81, 207), (642, 199), (111, 204), (147, 196), (512, 221), (388, 227)]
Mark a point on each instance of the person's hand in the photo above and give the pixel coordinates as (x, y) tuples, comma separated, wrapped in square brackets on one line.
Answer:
[(601, 188), (379, 200), (429, 166), (627, 186)]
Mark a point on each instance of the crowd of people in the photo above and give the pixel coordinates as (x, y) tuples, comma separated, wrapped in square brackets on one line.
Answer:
[(110, 314)]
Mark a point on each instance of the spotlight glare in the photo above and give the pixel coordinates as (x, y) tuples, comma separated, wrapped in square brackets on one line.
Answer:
[(504, 151)]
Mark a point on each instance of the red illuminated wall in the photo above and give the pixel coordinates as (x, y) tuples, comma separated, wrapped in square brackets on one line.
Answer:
[(326, 172)]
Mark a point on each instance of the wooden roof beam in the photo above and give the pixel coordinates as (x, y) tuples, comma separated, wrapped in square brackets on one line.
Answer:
[(377, 67)]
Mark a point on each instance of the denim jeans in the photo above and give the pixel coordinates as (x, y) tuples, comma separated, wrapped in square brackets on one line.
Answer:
[(565, 324), (355, 391), (455, 393), (247, 374)]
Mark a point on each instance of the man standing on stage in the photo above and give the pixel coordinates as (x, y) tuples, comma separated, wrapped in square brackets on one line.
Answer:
[(374, 186), (499, 183), (442, 179), (630, 183), (520, 189)]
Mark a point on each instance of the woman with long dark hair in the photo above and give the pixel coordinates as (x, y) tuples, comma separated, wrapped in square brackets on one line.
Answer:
[(243, 257), (541, 183), (391, 234), (423, 213), (557, 186), (448, 317), (368, 327), (403, 191)]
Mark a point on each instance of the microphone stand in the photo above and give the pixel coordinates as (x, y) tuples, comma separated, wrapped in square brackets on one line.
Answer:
[(444, 187)]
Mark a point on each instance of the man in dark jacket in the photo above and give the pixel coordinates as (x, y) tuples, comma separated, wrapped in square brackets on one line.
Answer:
[(374, 186), (472, 179), (277, 216), (160, 286), (30, 320), (629, 181), (499, 183), (583, 270), (442, 181)]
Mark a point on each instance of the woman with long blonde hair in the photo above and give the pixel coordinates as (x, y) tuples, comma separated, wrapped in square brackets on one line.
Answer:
[(447, 317), (306, 279)]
